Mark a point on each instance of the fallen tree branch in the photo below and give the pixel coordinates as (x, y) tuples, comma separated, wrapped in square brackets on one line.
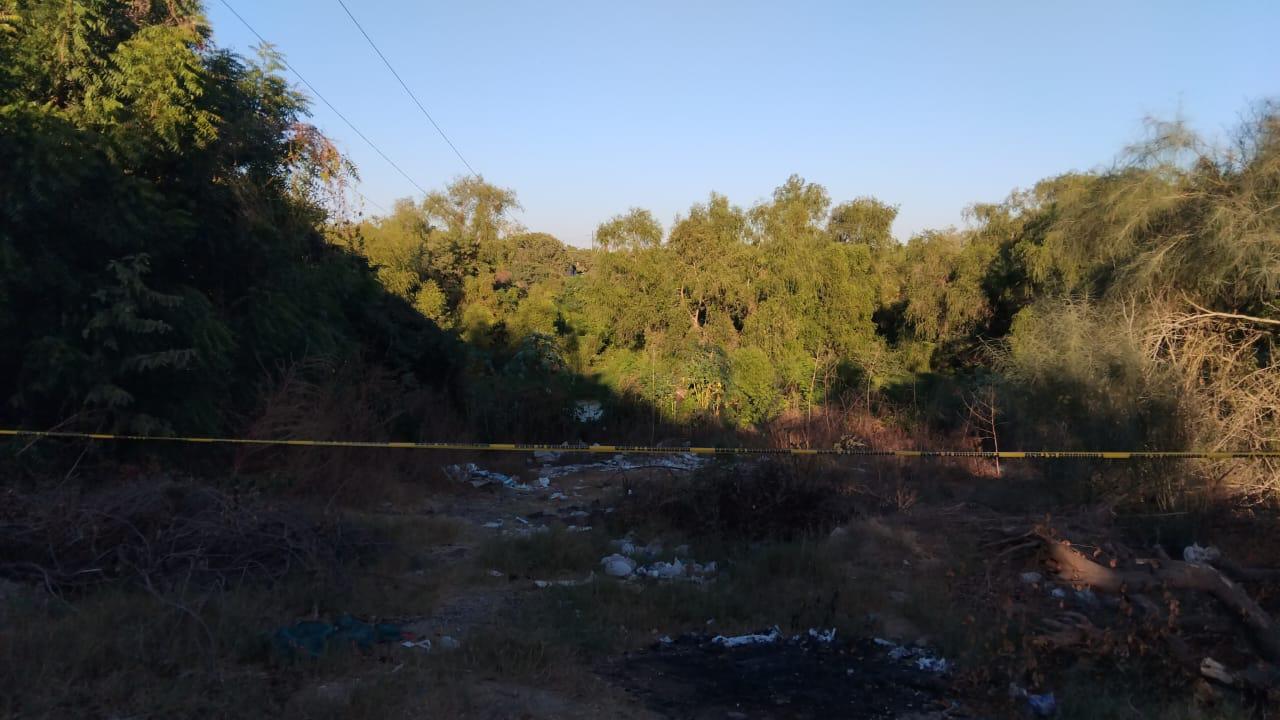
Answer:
[(1073, 567)]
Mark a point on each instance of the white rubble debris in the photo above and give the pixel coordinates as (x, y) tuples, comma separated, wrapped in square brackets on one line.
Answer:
[(676, 569), (933, 664), (825, 637), (751, 639), (662, 570), (585, 411), (1202, 555), (618, 565)]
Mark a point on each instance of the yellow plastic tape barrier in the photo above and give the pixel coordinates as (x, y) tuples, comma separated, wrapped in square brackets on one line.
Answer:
[(657, 450)]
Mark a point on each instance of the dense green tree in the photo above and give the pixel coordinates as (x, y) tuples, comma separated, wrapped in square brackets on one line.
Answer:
[(160, 235)]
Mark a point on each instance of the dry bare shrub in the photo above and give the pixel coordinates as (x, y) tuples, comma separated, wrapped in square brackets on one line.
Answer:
[(163, 534), (318, 400), (1225, 370)]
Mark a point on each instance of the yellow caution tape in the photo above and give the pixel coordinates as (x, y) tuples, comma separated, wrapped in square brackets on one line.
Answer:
[(658, 450)]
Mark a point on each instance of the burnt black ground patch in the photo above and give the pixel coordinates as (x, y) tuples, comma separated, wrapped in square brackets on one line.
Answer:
[(695, 679)]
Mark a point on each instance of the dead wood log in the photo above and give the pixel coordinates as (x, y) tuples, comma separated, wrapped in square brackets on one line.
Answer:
[(1075, 568), (1235, 570)]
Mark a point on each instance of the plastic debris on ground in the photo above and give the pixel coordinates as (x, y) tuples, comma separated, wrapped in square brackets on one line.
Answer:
[(734, 641), (630, 553), (921, 657), (1042, 705), (826, 637), (1030, 578), (564, 583), (1202, 555), (478, 477), (675, 461)]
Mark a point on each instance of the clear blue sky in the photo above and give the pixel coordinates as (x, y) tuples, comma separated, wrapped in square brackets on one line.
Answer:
[(588, 108)]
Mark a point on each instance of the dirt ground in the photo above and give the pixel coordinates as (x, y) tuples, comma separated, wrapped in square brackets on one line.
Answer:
[(641, 587), (649, 675)]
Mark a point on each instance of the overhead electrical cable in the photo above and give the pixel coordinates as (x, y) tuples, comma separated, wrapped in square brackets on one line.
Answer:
[(322, 99), (413, 97)]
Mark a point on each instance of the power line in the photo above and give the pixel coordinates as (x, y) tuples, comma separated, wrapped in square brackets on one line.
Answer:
[(322, 98), (415, 99), (369, 200)]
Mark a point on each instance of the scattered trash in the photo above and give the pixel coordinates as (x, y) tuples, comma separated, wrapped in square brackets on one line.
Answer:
[(478, 477), (1030, 578), (751, 639), (579, 528), (423, 644), (495, 525), (675, 461), (564, 583), (497, 573), (1202, 555), (555, 495), (764, 674), (521, 520), (1215, 670), (1042, 705), (922, 658), (1058, 593)]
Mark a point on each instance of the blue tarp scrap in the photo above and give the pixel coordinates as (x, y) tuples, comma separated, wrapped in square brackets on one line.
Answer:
[(314, 637)]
